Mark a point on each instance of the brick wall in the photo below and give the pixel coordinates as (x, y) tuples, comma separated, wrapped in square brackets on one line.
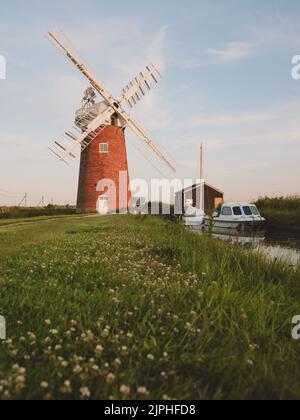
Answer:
[(96, 166)]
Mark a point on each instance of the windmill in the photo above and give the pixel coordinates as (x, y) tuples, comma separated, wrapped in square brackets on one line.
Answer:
[(99, 134)]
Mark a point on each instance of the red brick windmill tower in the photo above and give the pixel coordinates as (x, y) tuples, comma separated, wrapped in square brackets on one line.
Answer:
[(100, 127)]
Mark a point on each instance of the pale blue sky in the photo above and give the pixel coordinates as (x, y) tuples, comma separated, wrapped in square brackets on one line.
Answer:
[(227, 82)]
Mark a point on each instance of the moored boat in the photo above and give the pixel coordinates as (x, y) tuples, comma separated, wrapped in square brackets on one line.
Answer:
[(239, 217)]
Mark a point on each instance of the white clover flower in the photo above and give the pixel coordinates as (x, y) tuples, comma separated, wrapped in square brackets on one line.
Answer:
[(85, 392), (99, 350), (142, 390), (110, 378), (77, 369), (44, 385), (125, 390)]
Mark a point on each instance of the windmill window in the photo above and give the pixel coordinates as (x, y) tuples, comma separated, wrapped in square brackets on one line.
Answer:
[(103, 148)]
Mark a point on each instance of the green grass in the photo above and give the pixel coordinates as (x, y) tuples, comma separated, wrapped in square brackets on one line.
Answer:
[(140, 302), (281, 213)]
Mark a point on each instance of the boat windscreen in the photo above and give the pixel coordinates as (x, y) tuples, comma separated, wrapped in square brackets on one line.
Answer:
[(247, 211)]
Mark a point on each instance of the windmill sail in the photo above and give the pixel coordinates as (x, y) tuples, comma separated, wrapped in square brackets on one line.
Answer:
[(66, 152), (140, 86), (114, 106)]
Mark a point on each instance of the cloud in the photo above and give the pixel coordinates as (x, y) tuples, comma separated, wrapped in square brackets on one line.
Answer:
[(232, 51), (228, 53)]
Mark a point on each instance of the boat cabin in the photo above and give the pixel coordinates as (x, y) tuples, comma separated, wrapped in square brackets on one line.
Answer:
[(238, 210)]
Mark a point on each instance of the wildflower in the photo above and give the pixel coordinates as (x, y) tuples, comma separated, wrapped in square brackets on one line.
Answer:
[(53, 332), (150, 357), (117, 362), (47, 322), (99, 350), (44, 385), (142, 390), (85, 392), (77, 369), (125, 390), (7, 395), (254, 347), (66, 388), (110, 378), (249, 362), (20, 379), (31, 336), (188, 326), (105, 333)]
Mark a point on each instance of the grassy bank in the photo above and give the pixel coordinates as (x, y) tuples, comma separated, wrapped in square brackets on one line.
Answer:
[(281, 213), (136, 307)]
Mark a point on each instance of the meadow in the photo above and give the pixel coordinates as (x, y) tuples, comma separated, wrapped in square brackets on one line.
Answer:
[(281, 213), (126, 307), (7, 213)]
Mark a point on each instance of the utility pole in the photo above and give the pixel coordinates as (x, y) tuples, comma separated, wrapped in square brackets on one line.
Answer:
[(24, 200), (201, 162), (42, 202)]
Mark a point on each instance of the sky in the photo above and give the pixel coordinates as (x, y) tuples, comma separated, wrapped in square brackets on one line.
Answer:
[(227, 82)]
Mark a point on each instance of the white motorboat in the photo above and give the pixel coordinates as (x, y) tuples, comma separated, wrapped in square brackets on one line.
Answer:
[(194, 217), (239, 217)]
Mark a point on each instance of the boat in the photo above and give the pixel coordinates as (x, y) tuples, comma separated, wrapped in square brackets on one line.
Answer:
[(194, 217), (236, 217)]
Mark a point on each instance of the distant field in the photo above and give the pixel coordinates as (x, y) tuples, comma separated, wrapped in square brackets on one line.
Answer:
[(281, 213), (137, 307), (28, 212), (11, 221)]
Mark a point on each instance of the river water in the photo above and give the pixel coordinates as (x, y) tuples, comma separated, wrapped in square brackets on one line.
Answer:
[(276, 245)]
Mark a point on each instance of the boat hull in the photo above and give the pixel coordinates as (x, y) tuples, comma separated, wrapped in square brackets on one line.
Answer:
[(239, 227)]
